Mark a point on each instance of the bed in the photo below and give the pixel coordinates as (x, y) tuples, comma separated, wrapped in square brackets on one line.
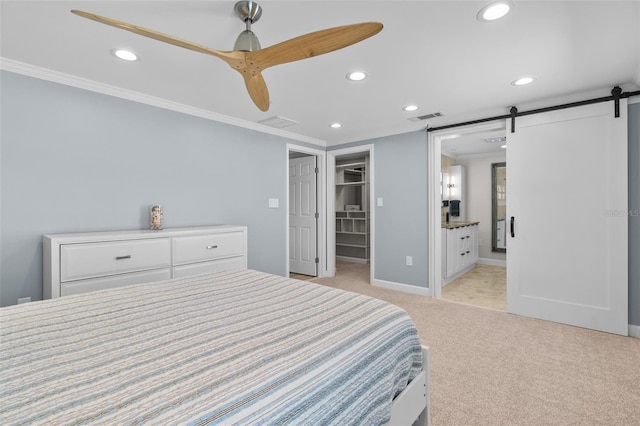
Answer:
[(231, 347)]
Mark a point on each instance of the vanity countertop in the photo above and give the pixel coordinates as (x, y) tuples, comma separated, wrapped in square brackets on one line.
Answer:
[(458, 224)]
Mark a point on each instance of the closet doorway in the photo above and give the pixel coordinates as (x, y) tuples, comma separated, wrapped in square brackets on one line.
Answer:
[(351, 216)]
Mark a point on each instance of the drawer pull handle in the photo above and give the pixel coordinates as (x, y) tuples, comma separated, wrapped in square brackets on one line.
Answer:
[(123, 257), (211, 247)]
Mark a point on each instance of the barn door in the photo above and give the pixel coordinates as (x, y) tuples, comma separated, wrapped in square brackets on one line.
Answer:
[(567, 217)]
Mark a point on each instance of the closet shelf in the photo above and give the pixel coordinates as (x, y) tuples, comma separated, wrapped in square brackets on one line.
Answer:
[(350, 183), (360, 164), (352, 245)]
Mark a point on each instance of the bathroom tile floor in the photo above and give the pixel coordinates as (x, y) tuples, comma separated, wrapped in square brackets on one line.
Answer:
[(484, 285)]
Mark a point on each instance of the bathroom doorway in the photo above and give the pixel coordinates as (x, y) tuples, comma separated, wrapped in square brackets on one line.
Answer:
[(474, 151)]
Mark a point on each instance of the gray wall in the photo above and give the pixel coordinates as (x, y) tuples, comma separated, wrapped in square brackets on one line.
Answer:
[(634, 214), (400, 175), (74, 161)]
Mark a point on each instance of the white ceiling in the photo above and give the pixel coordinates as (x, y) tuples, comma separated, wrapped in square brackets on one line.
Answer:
[(435, 54)]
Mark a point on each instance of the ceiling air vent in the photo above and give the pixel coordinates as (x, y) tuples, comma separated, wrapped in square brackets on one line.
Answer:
[(278, 122), (427, 116), (500, 140)]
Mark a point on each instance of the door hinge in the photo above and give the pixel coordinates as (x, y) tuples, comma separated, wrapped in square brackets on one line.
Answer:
[(317, 260), (317, 215), (317, 170)]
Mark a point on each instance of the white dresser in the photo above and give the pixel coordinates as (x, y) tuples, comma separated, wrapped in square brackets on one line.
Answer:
[(81, 262)]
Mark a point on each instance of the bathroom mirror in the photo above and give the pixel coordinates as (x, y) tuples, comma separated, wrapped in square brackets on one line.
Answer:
[(499, 207)]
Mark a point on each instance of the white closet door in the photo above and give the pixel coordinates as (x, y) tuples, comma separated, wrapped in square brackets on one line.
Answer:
[(302, 216), (567, 190)]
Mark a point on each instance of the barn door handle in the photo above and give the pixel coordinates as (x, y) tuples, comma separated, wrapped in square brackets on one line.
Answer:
[(513, 222)]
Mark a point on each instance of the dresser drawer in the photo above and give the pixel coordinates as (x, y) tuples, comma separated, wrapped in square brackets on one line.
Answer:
[(207, 247), (90, 260), (207, 267), (103, 283)]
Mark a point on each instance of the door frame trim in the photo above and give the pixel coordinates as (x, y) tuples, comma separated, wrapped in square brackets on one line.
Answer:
[(434, 201), (321, 206)]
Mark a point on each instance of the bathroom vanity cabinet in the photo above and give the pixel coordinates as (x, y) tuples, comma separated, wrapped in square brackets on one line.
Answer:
[(459, 249)]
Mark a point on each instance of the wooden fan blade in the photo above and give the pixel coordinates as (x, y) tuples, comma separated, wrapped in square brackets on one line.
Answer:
[(313, 44), (231, 57), (257, 89)]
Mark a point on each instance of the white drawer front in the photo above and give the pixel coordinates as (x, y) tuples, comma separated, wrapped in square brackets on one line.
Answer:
[(206, 267), (83, 286), (79, 261), (207, 247)]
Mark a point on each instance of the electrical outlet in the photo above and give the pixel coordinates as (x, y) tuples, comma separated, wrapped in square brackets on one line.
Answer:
[(409, 261), (24, 300)]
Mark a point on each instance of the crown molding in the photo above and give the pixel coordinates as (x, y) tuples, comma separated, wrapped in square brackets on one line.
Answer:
[(118, 92)]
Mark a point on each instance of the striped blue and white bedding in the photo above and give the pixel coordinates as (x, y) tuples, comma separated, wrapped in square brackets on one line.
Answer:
[(233, 347)]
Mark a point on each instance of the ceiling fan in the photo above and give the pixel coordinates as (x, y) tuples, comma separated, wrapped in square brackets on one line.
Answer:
[(248, 57)]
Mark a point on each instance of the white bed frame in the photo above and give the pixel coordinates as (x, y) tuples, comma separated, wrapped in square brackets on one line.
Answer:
[(413, 405)]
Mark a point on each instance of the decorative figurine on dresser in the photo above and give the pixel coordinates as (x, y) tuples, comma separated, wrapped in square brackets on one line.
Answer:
[(156, 218)]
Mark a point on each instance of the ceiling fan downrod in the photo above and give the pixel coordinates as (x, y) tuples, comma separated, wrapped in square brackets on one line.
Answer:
[(248, 12)]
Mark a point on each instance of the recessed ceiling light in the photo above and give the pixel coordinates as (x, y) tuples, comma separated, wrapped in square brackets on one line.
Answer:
[(493, 11), (503, 147), (125, 55), (411, 108), (336, 125), (522, 81), (356, 76)]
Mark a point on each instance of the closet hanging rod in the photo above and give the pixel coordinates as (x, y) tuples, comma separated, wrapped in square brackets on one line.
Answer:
[(616, 94)]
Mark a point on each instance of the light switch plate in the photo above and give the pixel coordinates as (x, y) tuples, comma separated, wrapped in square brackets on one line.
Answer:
[(274, 203), (379, 202)]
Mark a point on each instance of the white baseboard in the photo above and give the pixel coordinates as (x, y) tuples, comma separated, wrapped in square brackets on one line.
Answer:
[(422, 291), (634, 331), (493, 262)]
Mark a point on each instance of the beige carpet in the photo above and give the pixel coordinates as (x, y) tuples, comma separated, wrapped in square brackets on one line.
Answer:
[(494, 368), (484, 285)]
